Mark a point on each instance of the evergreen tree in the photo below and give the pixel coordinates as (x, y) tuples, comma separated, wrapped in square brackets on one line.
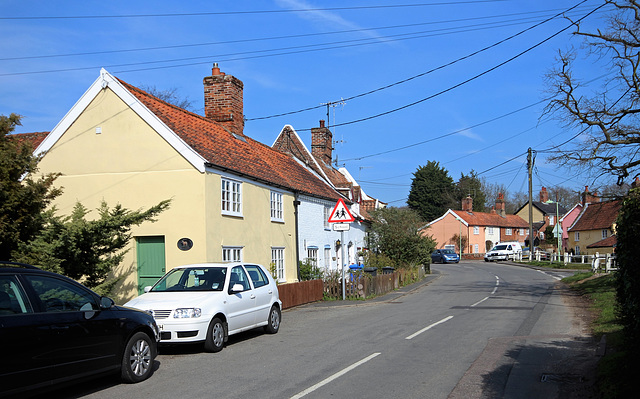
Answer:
[(628, 275), (471, 185), (86, 249), (432, 191), (23, 195)]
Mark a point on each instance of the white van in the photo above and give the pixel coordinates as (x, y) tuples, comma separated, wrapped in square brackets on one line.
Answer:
[(504, 251)]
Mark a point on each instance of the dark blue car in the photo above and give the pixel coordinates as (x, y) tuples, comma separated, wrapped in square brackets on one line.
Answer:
[(54, 330), (444, 256)]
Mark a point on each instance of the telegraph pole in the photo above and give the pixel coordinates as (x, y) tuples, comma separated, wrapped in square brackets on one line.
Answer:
[(530, 172)]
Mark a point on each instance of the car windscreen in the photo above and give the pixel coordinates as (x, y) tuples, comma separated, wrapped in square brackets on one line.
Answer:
[(192, 279), (448, 251), (499, 247)]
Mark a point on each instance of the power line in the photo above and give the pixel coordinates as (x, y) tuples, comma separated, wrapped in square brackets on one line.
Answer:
[(303, 35), (200, 14), (262, 53), (465, 81)]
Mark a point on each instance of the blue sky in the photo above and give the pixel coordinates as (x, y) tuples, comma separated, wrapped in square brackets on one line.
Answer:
[(466, 78)]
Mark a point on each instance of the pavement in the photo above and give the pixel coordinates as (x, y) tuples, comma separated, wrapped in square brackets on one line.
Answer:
[(537, 362)]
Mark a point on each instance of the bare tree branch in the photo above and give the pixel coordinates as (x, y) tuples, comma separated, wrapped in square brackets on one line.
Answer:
[(610, 142)]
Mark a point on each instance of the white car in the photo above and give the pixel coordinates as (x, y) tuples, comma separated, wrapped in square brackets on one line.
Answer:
[(207, 302)]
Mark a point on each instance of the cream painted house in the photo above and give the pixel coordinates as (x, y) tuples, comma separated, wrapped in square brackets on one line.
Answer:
[(232, 198)]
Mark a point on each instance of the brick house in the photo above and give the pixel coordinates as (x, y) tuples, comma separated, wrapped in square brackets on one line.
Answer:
[(482, 230)]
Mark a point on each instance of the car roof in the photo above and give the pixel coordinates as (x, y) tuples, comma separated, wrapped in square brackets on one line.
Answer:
[(213, 264)]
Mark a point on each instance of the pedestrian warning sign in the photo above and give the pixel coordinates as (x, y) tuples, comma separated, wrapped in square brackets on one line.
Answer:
[(340, 213)]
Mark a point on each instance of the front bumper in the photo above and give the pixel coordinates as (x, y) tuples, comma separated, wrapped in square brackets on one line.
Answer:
[(178, 331)]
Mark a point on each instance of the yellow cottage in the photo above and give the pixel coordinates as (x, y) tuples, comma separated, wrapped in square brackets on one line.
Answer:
[(232, 198)]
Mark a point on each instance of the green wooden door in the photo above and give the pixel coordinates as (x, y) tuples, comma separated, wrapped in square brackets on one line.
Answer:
[(151, 260)]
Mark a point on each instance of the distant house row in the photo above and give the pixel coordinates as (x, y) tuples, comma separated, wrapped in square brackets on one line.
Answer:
[(233, 198), (588, 227)]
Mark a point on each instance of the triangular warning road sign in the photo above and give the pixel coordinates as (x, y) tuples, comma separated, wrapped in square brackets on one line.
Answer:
[(340, 213)]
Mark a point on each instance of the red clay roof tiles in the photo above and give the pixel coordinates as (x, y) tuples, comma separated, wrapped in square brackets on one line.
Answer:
[(597, 215), (236, 153)]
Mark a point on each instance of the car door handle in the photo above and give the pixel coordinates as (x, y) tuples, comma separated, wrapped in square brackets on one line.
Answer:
[(270, 292), (252, 296)]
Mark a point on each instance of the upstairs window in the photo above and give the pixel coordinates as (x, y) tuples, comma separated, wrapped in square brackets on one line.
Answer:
[(276, 207), (605, 233), (231, 197), (327, 214)]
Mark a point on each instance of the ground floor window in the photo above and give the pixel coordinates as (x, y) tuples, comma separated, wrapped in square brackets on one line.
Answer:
[(312, 256), (232, 254), (327, 258), (277, 260)]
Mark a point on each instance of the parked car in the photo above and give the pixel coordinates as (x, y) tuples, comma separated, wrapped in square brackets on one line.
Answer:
[(55, 330), (444, 256), (208, 302), (503, 251)]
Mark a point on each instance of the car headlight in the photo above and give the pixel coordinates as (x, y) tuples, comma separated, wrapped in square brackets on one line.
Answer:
[(187, 313)]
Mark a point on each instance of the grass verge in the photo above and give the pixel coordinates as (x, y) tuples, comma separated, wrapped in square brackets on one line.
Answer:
[(613, 369)]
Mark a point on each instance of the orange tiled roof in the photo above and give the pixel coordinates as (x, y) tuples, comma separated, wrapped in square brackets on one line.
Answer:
[(597, 215), (239, 154), (608, 242), (492, 219), (34, 139)]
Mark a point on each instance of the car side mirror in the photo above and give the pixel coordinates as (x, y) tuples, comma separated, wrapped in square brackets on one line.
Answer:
[(236, 288), (147, 289), (106, 302)]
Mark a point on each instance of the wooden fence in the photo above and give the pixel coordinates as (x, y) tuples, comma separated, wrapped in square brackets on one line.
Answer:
[(294, 294), (357, 286), (363, 285)]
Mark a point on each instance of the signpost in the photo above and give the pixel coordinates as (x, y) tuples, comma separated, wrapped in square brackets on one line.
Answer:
[(341, 219)]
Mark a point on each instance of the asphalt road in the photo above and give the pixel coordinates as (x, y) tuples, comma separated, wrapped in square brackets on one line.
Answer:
[(471, 330)]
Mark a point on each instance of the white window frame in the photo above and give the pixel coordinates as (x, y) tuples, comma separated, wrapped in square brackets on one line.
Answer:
[(232, 254), (605, 233), (476, 248), (476, 230), (312, 255), (576, 236), (326, 215), (508, 231), (490, 230), (231, 196), (551, 220), (327, 258), (277, 213), (277, 259), (521, 232)]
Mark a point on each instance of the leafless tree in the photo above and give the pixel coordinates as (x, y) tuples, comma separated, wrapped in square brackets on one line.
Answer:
[(606, 118), (171, 96)]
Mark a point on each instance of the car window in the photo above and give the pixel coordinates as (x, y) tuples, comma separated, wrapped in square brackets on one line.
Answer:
[(258, 277), (58, 295), (192, 279), (12, 298), (238, 276)]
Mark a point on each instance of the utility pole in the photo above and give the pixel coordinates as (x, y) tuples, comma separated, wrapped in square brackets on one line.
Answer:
[(530, 172)]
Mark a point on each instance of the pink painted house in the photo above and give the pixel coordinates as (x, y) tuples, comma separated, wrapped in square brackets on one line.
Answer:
[(482, 230)]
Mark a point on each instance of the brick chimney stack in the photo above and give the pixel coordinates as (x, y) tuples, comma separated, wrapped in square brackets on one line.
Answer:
[(322, 143), (544, 195), (223, 100), (588, 198), (500, 205), (467, 204)]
